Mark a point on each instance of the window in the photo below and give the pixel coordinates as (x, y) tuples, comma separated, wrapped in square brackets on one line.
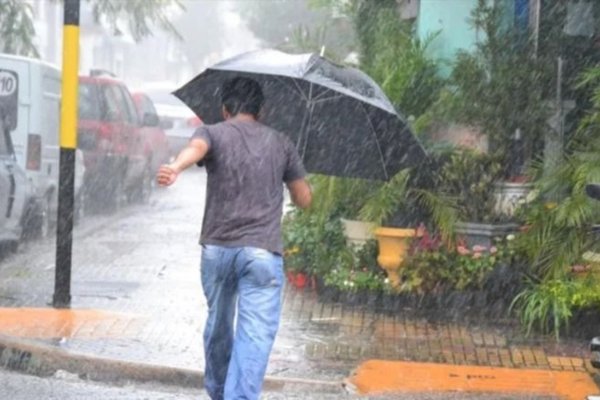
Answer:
[(89, 107), (113, 103), (147, 106), (129, 106)]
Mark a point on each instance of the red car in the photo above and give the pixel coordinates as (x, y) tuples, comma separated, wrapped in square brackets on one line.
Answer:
[(111, 134)]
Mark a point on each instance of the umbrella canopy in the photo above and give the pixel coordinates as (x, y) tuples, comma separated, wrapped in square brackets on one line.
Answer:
[(340, 120)]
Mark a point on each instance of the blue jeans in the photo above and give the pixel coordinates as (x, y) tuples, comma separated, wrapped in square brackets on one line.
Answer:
[(252, 279)]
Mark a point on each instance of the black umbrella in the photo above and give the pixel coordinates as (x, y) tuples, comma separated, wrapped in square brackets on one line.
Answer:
[(341, 121)]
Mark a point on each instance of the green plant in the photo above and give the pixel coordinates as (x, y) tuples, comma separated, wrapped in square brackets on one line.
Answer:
[(356, 269), (384, 202), (435, 264), (550, 304), (473, 265), (343, 197), (312, 244), (557, 225), (468, 177), (559, 219)]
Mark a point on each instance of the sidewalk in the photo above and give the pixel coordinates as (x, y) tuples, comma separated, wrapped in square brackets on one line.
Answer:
[(137, 299)]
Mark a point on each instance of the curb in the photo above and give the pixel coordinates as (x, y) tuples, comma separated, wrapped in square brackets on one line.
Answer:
[(36, 358)]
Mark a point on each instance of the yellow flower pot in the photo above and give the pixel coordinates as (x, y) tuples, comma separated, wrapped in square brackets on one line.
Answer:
[(393, 246)]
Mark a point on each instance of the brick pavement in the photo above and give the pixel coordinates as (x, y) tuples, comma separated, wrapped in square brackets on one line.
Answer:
[(354, 333)]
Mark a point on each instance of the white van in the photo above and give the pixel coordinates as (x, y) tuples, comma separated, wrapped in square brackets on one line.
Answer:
[(36, 134)]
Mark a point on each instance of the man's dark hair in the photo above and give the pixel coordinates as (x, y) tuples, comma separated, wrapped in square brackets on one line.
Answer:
[(242, 95)]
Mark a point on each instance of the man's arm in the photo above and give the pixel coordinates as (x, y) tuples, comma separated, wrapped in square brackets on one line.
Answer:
[(195, 151), (300, 192)]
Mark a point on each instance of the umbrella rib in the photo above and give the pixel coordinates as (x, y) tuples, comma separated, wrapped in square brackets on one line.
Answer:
[(326, 91), (376, 141), (339, 96), (300, 91)]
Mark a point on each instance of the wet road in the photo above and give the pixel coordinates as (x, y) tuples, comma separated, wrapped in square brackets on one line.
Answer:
[(68, 387)]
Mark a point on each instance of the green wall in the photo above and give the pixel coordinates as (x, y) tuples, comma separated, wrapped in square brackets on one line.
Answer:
[(450, 20)]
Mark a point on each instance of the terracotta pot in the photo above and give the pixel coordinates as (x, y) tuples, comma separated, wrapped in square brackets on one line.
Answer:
[(393, 246), (300, 280)]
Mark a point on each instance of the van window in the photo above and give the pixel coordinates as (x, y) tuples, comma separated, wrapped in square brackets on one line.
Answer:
[(51, 110), (89, 106)]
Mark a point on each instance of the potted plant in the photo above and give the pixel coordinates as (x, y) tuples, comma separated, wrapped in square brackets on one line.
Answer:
[(312, 245), (469, 177), (387, 210), (343, 198)]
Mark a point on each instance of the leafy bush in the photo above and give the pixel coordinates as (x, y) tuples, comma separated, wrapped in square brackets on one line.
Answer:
[(550, 305), (435, 265), (312, 244), (357, 269), (469, 177)]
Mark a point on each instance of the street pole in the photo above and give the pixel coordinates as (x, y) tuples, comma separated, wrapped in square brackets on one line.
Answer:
[(68, 143)]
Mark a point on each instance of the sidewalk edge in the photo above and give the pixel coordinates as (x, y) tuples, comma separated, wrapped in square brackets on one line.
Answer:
[(36, 358)]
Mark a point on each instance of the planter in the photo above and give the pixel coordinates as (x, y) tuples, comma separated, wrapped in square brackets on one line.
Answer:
[(354, 298), (297, 279), (483, 234), (509, 195), (393, 246), (389, 303), (329, 294), (357, 232), (373, 301)]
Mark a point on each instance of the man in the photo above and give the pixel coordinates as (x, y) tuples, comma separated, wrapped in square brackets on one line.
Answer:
[(247, 164)]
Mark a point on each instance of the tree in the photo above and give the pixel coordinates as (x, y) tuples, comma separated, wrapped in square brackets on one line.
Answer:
[(141, 15), (285, 23), (17, 30)]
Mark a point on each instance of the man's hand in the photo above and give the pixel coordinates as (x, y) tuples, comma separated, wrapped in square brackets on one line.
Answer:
[(190, 155), (167, 175)]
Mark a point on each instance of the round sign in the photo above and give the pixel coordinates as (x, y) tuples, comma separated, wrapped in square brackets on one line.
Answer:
[(8, 83)]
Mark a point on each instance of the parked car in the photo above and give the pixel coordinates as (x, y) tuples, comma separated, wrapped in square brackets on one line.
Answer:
[(177, 120), (154, 137), (117, 162), (30, 90)]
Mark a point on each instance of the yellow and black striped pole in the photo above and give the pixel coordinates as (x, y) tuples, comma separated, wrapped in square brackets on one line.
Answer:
[(68, 144)]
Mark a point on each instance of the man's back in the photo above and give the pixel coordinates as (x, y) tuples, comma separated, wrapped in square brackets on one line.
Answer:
[(247, 164)]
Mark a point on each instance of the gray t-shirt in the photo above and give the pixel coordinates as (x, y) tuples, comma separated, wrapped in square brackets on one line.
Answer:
[(247, 164)]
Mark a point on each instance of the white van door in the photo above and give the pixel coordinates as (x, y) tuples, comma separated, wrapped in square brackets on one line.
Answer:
[(12, 179)]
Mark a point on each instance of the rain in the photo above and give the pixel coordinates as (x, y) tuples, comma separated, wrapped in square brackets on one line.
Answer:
[(415, 201)]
